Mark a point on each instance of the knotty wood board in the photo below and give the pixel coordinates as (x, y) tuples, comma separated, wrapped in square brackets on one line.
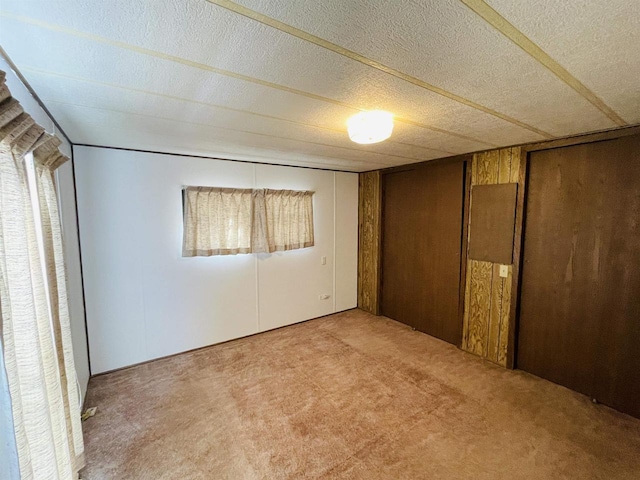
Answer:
[(369, 215), (486, 321)]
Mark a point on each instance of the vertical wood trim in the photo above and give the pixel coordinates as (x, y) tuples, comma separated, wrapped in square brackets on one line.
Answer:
[(522, 156), (464, 252), (467, 304), (369, 238), (504, 168), (474, 170), (377, 253), (516, 173), (495, 310), (466, 324), (505, 320)]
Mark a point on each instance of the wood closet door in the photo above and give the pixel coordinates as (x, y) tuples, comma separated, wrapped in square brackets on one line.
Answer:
[(579, 320), (421, 248)]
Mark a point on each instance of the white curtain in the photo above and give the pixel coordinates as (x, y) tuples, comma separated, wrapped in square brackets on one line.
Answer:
[(9, 467), (35, 328), (217, 221), (223, 221), (289, 220), (47, 159)]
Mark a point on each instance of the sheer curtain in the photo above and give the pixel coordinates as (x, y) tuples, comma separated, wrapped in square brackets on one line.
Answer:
[(227, 221), (217, 221), (35, 328), (9, 468), (47, 159), (289, 220)]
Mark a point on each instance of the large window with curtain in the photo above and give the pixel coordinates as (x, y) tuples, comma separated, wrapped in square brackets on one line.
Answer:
[(35, 331), (229, 221)]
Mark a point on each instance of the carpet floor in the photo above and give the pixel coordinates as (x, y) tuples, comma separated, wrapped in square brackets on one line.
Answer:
[(349, 396)]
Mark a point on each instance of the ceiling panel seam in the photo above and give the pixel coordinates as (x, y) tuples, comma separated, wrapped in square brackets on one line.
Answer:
[(248, 132), (228, 73), (212, 105), (350, 54), (492, 17)]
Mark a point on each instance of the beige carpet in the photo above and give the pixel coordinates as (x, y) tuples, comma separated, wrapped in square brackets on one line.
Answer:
[(347, 396)]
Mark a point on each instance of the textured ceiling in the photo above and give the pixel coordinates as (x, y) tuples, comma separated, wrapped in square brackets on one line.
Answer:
[(275, 80)]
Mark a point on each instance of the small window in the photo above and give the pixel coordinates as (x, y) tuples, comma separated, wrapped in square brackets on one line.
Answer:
[(229, 221)]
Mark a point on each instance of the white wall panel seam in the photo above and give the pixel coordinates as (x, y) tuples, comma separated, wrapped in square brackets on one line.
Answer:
[(335, 231)]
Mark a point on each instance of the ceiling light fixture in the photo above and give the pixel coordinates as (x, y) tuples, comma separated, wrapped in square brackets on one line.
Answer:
[(370, 127)]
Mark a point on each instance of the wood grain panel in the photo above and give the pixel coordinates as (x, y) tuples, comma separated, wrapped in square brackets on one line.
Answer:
[(487, 323), (505, 319), (515, 175), (369, 219), (488, 166), (492, 222), (479, 306), (504, 167), (495, 313), (580, 308), (422, 240)]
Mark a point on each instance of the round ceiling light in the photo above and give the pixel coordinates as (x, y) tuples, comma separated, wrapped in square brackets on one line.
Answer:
[(370, 127)]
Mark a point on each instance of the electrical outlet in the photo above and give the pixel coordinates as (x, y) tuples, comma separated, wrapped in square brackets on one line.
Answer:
[(324, 296), (504, 271)]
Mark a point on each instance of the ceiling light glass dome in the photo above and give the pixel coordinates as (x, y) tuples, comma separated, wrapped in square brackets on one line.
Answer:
[(370, 127)]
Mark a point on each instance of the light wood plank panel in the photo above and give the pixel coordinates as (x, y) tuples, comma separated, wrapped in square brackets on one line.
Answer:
[(369, 214), (515, 164), (495, 311), (486, 320), (488, 166), (479, 306), (504, 168), (505, 308)]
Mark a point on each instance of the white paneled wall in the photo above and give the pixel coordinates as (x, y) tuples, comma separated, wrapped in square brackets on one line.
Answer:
[(145, 301)]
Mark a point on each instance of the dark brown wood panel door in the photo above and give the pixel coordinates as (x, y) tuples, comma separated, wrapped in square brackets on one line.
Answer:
[(421, 249), (579, 322)]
